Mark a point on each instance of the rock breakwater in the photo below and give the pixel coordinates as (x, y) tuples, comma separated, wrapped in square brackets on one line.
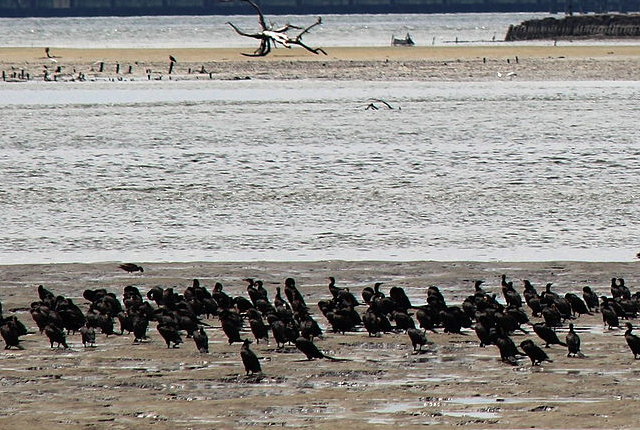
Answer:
[(613, 26)]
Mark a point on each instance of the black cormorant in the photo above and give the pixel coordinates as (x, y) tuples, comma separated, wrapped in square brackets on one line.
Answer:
[(418, 338), (534, 352), (573, 343), (56, 335), (249, 359), (88, 335), (547, 335), (590, 299), (201, 340), (308, 348), (632, 340)]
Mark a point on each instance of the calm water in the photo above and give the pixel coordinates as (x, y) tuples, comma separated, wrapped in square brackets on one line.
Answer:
[(212, 31), (301, 171)]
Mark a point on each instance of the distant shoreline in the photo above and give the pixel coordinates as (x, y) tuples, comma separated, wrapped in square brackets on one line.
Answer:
[(439, 63), (288, 7)]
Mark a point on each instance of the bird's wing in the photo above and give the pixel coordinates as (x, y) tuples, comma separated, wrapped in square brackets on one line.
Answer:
[(383, 102)]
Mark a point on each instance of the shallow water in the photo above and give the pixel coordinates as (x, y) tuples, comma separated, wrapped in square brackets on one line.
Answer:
[(180, 171)]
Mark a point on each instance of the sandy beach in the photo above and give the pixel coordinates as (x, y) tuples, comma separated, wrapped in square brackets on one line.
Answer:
[(120, 385), (449, 63)]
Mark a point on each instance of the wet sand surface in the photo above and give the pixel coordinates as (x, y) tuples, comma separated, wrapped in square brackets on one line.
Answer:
[(455, 63), (120, 385)]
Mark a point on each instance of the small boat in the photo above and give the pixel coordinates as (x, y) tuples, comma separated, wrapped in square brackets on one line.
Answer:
[(407, 41)]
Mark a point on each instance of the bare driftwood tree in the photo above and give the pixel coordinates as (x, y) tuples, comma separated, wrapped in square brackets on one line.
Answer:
[(270, 36)]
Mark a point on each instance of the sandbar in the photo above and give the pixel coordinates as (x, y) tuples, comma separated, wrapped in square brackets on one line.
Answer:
[(440, 63)]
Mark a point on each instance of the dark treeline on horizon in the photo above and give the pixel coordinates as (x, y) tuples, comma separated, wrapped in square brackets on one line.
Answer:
[(61, 8)]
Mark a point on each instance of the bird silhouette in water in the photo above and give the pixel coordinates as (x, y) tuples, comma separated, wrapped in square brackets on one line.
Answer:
[(632, 340), (249, 359), (573, 343), (131, 267), (373, 106)]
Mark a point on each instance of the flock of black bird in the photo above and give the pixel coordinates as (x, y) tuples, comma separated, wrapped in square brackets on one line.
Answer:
[(288, 319)]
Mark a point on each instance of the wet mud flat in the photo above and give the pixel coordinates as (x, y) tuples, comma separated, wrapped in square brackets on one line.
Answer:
[(453, 382)]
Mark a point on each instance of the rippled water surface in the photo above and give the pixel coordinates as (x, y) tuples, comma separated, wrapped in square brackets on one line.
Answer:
[(300, 170), (212, 31)]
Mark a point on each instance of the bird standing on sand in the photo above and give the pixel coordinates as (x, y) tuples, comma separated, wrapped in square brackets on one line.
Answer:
[(508, 351), (308, 348), (418, 338), (547, 335), (249, 359), (632, 340), (201, 340), (52, 58), (173, 61), (573, 343), (88, 336), (11, 329), (534, 352), (259, 329), (609, 315), (56, 335), (231, 323), (170, 334), (590, 299)]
